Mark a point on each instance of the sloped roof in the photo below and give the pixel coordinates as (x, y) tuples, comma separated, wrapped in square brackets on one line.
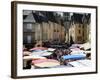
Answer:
[(77, 18), (40, 17), (29, 18)]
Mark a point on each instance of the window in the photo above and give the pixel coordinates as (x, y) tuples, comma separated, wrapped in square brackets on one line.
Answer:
[(79, 31), (83, 34), (29, 26), (79, 38), (29, 39), (24, 39), (79, 25)]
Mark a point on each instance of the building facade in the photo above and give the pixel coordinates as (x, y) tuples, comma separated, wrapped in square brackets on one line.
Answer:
[(79, 30), (55, 27), (41, 27)]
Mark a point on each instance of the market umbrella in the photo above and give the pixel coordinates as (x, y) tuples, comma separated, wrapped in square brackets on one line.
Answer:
[(33, 57), (73, 57), (42, 63), (38, 48), (26, 53)]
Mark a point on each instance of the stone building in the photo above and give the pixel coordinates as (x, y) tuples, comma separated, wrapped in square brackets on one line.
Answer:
[(79, 30), (28, 28), (41, 26)]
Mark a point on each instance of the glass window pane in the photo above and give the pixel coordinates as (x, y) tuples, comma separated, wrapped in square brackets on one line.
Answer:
[(29, 39)]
